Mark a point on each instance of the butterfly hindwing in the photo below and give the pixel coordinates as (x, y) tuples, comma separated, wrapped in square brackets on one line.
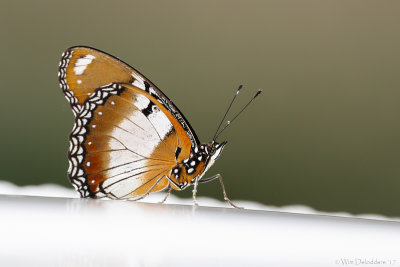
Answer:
[(123, 143)]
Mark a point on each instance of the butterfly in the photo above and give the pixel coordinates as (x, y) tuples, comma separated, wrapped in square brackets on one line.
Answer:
[(128, 138)]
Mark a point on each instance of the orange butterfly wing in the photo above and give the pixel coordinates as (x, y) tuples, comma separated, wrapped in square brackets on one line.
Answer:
[(119, 149), (83, 69)]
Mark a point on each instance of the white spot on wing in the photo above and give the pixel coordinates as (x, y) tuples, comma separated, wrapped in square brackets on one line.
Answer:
[(141, 102), (82, 63), (139, 84), (161, 122), (152, 92), (158, 119), (139, 81)]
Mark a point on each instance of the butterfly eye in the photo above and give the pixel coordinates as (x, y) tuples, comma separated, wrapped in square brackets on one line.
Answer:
[(212, 150), (155, 109)]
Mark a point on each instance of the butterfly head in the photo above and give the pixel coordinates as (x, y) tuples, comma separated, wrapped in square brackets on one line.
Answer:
[(212, 151)]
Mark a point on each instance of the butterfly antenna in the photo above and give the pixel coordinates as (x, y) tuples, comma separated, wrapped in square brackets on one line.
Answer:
[(226, 113), (240, 112)]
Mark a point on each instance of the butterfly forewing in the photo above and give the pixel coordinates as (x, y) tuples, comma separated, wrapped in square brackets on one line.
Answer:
[(83, 70)]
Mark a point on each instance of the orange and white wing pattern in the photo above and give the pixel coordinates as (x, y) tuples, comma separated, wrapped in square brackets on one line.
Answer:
[(128, 138), (127, 135), (123, 144), (82, 70)]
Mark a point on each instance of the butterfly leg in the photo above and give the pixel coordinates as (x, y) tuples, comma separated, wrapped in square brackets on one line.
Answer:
[(209, 179), (165, 198), (219, 176), (196, 183)]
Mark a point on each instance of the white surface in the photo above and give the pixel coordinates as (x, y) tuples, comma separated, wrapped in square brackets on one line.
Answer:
[(63, 230), (40, 231), (52, 190)]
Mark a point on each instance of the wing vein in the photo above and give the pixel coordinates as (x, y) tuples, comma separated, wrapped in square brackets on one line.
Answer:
[(141, 167), (136, 174), (131, 103), (154, 177), (130, 149), (122, 115)]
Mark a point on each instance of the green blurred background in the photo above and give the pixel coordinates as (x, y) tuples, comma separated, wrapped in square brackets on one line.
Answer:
[(325, 133)]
